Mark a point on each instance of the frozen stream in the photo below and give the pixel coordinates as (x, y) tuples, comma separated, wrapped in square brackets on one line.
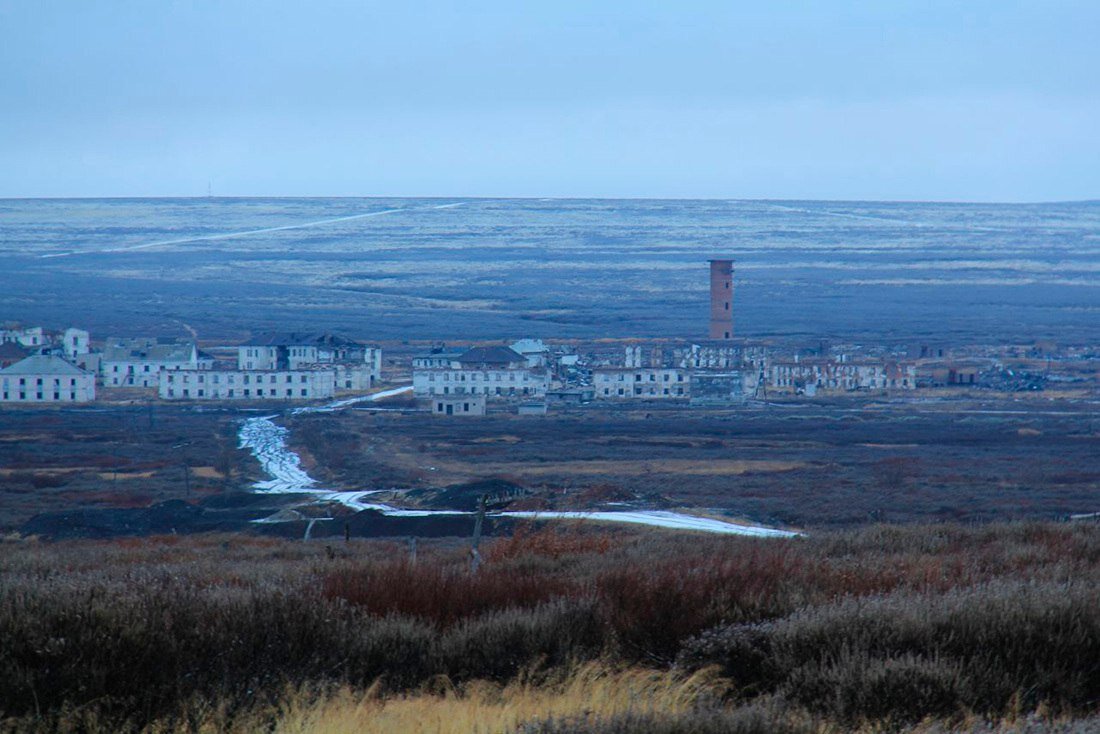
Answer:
[(267, 442)]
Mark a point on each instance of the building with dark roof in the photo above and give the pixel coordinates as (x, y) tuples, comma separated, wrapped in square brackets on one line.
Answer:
[(497, 357), (361, 365), (137, 362), (494, 371)]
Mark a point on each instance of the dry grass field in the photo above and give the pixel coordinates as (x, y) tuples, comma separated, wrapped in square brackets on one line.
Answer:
[(827, 463), (564, 629)]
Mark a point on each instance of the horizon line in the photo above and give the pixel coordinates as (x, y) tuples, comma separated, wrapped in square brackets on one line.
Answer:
[(201, 197)]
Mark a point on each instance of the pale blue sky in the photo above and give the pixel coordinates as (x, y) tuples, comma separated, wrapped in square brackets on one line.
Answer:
[(949, 100)]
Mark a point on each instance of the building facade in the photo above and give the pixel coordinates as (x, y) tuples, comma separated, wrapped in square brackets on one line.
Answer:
[(31, 337), (46, 379), (139, 362), (246, 384), (496, 372), (829, 374), (718, 388), (461, 405), (357, 366), (647, 383)]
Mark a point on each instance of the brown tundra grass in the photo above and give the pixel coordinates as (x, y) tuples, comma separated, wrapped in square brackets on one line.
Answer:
[(875, 629)]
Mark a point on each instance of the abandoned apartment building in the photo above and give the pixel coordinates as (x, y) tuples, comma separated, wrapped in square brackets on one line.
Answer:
[(495, 371), (246, 385), (842, 374), (138, 362), (46, 378), (282, 366)]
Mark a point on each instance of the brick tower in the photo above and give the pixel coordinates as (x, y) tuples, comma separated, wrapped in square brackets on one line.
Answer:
[(721, 299)]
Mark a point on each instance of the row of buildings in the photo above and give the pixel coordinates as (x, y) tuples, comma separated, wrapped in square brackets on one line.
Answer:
[(38, 366), (714, 372)]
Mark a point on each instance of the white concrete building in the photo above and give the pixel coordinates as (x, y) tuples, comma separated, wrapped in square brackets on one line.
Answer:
[(30, 337), (646, 383), (461, 405), (841, 374), (138, 362), (358, 366), (497, 372), (533, 351), (436, 358), (46, 379), (246, 384), (76, 343)]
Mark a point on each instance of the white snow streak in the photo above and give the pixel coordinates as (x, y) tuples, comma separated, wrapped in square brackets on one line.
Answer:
[(246, 233), (267, 442), (664, 519)]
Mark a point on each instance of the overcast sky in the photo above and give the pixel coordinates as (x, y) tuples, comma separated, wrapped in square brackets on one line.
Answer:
[(951, 100)]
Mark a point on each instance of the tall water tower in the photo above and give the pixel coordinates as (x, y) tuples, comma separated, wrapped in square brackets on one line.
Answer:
[(721, 299)]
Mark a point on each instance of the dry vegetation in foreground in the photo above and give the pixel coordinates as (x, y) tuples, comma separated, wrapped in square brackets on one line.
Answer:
[(566, 629)]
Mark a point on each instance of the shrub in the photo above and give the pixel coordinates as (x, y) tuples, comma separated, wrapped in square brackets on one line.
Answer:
[(500, 645), (748, 720), (905, 654)]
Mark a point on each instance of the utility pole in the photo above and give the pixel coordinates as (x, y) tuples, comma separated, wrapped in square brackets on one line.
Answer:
[(475, 556)]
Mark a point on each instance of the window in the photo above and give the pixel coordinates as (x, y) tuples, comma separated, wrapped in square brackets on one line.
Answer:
[(304, 391), (231, 392), (202, 392), (57, 396)]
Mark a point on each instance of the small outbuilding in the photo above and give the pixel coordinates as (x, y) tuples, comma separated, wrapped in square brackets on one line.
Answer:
[(458, 405)]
